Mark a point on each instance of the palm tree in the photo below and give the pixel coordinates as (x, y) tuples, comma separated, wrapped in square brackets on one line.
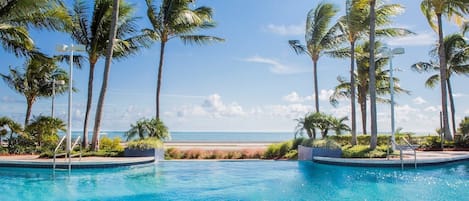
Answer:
[(107, 69), (35, 81), (457, 55), (338, 125), (372, 75), (8, 125), (342, 90), (44, 130), (16, 17), (175, 18), (305, 124), (319, 37), (437, 9), (93, 31), (354, 26), (148, 128)]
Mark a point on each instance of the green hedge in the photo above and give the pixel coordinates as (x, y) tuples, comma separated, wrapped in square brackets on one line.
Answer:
[(364, 151)]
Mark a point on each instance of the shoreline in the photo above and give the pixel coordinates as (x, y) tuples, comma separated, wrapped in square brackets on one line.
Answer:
[(217, 145)]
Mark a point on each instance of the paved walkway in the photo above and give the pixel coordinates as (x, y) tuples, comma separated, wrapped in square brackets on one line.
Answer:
[(424, 158)]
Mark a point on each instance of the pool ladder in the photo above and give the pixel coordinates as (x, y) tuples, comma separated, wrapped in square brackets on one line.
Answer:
[(66, 154), (400, 152)]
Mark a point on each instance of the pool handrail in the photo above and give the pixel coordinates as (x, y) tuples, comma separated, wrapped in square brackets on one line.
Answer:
[(400, 152), (55, 151)]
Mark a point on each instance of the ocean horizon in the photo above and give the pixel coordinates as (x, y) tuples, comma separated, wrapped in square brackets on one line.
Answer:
[(207, 136), (215, 136)]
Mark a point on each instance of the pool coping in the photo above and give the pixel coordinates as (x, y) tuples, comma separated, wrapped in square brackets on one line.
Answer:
[(393, 162), (101, 162)]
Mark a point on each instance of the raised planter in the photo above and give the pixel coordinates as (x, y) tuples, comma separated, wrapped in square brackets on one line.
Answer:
[(157, 153), (325, 152)]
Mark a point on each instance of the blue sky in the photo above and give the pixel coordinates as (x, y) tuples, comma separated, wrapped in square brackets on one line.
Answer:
[(251, 82)]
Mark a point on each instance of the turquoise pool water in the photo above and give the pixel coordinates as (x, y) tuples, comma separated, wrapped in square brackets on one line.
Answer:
[(259, 180)]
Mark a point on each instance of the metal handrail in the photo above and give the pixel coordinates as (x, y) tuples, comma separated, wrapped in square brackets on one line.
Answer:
[(55, 151), (68, 154), (415, 152), (400, 152)]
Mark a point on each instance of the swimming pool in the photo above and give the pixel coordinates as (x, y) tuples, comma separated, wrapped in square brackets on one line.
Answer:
[(257, 180)]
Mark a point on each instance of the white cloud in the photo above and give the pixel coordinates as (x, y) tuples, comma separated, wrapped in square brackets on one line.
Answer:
[(431, 109), (419, 101), (421, 39), (457, 95), (290, 111), (325, 94), (286, 30), (293, 97), (212, 106), (275, 66)]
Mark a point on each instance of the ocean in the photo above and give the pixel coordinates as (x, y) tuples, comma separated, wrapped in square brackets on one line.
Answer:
[(208, 136)]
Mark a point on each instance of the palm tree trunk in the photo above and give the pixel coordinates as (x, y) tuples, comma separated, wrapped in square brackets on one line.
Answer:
[(89, 100), (315, 78), (362, 102), (107, 70), (310, 134), (352, 93), (451, 103), (444, 95), (160, 75), (372, 74), (29, 103)]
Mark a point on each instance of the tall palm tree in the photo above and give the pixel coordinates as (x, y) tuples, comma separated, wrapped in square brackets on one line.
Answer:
[(319, 36), (457, 55), (354, 26), (372, 75), (17, 16), (437, 9), (342, 90), (175, 18), (35, 81), (91, 28), (107, 69)]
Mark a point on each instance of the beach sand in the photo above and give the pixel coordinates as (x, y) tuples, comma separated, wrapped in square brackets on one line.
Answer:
[(217, 145)]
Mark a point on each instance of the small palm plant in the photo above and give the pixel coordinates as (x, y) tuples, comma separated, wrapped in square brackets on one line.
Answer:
[(148, 128)]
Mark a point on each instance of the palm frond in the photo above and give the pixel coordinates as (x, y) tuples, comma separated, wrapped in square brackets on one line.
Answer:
[(298, 47), (200, 39)]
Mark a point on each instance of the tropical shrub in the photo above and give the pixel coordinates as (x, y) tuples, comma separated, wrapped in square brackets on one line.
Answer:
[(321, 121), (173, 153), (278, 150), (44, 131), (149, 143), (108, 144), (364, 151), (148, 128)]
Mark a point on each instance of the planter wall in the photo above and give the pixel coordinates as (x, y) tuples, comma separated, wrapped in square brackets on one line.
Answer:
[(307, 153), (157, 153), (324, 152)]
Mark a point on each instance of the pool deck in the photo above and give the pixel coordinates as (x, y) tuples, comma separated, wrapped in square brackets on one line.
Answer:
[(424, 158), (33, 161)]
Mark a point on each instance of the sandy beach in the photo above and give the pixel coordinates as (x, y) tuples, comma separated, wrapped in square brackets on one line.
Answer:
[(185, 145)]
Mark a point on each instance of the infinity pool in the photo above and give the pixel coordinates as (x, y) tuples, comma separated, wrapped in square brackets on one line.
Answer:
[(259, 180)]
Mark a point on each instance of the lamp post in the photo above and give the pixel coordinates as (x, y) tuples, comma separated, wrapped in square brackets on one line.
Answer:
[(388, 52), (54, 82), (71, 49)]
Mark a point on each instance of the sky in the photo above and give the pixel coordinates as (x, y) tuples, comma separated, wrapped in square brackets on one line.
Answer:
[(251, 82)]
